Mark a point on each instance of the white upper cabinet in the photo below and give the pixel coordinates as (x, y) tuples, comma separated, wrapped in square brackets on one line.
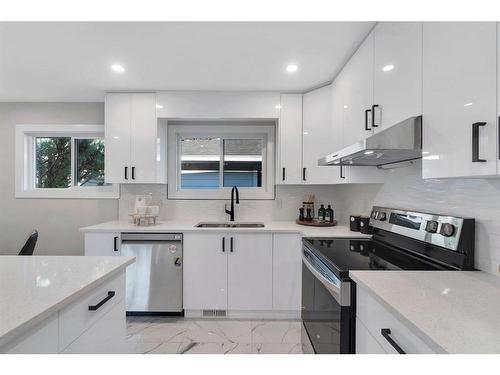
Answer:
[(459, 99), (290, 140), (397, 72), (358, 93), (318, 136), (132, 139)]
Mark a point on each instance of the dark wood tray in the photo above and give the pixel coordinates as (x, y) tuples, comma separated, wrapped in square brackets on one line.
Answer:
[(315, 223)]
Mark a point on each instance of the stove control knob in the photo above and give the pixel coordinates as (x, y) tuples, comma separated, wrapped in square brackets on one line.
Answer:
[(447, 229), (374, 214), (382, 216), (431, 226)]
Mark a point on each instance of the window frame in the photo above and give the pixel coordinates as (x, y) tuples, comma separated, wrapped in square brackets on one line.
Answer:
[(239, 130), (26, 164)]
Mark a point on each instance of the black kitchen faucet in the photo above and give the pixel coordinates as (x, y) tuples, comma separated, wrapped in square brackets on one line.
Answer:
[(231, 212)]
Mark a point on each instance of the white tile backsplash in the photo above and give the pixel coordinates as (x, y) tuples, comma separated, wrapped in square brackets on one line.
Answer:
[(284, 207), (403, 188), (478, 198)]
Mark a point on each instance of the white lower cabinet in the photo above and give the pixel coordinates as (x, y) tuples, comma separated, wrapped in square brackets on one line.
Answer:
[(107, 335), (372, 318), (102, 244), (287, 272), (77, 329), (255, 274), (205, 271), (250, 272)]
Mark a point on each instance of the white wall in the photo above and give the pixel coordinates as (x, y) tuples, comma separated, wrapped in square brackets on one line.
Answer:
[(405, 188), (57, 220)]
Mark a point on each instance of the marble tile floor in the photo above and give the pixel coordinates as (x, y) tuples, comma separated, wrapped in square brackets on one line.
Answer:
[(165, 335)]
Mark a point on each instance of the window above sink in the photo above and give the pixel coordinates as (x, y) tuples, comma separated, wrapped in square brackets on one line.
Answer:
[(205, 162)]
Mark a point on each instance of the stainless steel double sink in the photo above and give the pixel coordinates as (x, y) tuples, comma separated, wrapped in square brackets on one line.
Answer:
[(229, 225)]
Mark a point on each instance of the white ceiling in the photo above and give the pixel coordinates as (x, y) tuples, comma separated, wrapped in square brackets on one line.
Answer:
[(71, 61)]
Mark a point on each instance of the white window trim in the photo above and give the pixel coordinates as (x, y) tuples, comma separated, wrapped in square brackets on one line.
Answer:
[(176, 132), (24, 160)]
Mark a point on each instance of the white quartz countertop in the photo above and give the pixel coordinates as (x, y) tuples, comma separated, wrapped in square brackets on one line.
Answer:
[(32, 288), (273, 226), (452, 311)]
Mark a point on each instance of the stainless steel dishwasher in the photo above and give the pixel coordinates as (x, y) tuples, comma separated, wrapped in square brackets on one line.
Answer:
[(154, 281)]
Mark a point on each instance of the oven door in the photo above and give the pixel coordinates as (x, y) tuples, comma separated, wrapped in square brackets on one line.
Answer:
[(326, 307)]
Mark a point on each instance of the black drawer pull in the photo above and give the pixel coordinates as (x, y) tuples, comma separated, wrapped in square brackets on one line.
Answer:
[(111, 294), (283, 174), (126, 173), (367, 111), (133, 173), (115, 243), (304, 174), (373, 115), (386, 332), (341, 174), (223, 244), (475, 142), (231, 244)]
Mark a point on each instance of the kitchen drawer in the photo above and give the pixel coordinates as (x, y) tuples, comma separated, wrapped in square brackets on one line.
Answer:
[(106, 336), (77, 318), (374, 316), (42, 339), (365, 342)]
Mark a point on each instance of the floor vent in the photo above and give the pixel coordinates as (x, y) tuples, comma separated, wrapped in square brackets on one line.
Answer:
[(214, 313)]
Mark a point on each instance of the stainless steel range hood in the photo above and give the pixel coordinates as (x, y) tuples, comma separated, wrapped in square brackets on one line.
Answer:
[(400, 142)]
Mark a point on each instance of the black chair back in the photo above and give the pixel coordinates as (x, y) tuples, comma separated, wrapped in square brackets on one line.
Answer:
[(29, 246)]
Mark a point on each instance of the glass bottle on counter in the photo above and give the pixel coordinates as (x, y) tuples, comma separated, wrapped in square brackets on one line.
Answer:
[(321, 213), (329, 213)]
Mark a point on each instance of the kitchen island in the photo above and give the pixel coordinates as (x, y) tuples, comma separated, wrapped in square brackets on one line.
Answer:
[(428, 311), (62, 304)]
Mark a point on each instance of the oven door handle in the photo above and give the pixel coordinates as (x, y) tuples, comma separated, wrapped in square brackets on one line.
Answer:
[(342, 293)]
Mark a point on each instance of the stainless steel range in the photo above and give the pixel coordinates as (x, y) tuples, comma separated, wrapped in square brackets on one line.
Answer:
[(401, 240)]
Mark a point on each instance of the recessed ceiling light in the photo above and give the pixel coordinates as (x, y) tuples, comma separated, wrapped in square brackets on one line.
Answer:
[(291, 68), (468, 104), (388, 68), (118, 68), (346, 106), (306, 133), (159, 106)]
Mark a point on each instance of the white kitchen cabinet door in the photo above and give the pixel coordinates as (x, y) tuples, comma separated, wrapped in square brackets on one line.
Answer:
[(117, 130), (290, 140), (250, 273), (397, 72), (318, 135), (459, 90), (102, 244), (287, 271), (106, 336), (358, 95), (143, 139), (205, 271)]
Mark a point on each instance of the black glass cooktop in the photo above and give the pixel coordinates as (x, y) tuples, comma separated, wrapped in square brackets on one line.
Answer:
[(344, 255)]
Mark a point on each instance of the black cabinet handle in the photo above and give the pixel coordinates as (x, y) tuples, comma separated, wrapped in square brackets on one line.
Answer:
[(386, 332), (367, 111), (223, 244), (303, 174), (283, 174), (126, 173), (111, 294), (133, 173), (341, 170), (231, 244), (475, 142), (373, 115), (115, 243)]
